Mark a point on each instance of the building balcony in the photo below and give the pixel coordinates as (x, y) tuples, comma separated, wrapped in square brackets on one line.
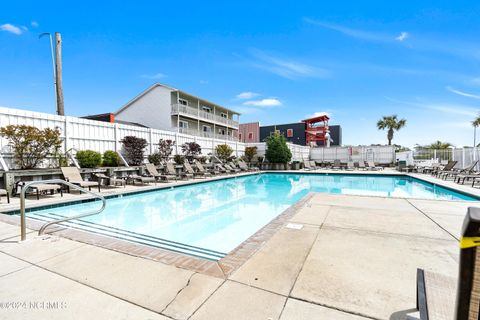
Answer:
[(205, 134), (194, 113)]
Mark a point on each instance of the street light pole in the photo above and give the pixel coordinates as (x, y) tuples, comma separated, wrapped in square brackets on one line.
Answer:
[(53, 65)]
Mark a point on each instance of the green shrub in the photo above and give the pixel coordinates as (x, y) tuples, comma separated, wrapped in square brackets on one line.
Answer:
[(111, 159), (89, 158), (223, 152), (155, 158), (277, 149), (179, 159)]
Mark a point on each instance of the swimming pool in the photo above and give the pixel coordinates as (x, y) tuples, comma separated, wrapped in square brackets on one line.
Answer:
[(210, 219)]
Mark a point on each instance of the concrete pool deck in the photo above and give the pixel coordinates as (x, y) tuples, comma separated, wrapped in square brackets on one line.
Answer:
[(335, 257)]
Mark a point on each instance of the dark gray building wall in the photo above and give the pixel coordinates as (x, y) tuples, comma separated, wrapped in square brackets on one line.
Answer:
[(299, 136), (298, 132), (336, 135)]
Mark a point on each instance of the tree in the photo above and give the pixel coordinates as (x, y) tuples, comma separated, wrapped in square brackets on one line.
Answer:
[(475, 124), (250, 152), (392, 124), (165, 149), (134, 149), (191, 150), (223, 152), (438, 145), (31, 146), (277, 149)]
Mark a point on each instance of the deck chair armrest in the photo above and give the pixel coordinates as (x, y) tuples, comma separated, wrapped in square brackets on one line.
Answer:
[(421, 295)]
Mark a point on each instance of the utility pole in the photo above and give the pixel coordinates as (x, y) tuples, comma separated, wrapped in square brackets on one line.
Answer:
[(58, 74), (474, 136)]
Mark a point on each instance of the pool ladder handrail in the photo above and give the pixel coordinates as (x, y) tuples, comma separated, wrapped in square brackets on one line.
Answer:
[(23, 226)]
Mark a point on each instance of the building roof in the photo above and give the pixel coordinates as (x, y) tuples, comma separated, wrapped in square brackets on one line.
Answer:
[(171, 89)]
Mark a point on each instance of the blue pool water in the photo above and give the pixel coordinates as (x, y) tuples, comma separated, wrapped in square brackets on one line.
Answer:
[(210, 219)]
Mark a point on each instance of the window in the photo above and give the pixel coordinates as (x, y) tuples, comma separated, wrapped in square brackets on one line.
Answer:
[(223, 115), (183, 102), (221, 131), (240, 137), (250, 136), (289, 133), (206, 109), (183, 124), (206, 129)]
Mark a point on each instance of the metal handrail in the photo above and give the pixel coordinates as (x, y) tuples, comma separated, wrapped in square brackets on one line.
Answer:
[(46, 225)]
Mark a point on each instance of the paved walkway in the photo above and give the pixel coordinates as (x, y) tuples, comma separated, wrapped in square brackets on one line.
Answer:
[(339, 257)]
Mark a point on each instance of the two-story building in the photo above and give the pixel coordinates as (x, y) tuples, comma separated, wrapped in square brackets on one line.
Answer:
[(166, 108)]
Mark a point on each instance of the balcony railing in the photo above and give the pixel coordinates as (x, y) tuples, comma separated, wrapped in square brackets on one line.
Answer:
[(205, 134), (203, 115)]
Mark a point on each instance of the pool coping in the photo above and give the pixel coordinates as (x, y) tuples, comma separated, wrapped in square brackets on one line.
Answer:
[(221, 268)]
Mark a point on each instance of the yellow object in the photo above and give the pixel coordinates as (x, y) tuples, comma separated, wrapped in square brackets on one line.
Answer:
[(469, 242)]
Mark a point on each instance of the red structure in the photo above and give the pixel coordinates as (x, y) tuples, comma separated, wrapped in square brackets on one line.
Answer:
[(316, 130)]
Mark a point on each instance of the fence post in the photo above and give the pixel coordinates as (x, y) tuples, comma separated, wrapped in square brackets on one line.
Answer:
[(115, 135), (176, 142), (65, 131), (150, 137)]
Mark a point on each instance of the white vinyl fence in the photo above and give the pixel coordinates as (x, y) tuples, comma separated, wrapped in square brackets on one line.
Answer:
[(378, 154), (464, 156), (82, 134), (299, 153)]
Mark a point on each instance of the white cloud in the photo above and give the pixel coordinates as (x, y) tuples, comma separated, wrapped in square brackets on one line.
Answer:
[(402, 36), (247, 95), (11, 28), (462, 93), (153, 76), (455, 109), (268, 102), (203, 81), (357, 33), (354, 33), (34, 24), (286, 68), (318, 114)]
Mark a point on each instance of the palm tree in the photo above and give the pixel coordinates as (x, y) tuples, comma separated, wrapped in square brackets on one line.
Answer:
[(392, 124), (475, 124), (439, 145)]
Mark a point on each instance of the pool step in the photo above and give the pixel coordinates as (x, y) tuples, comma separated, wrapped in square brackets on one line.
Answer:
[(131, 236)]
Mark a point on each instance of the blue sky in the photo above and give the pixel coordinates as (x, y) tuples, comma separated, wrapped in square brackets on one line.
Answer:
[(276, 62)]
